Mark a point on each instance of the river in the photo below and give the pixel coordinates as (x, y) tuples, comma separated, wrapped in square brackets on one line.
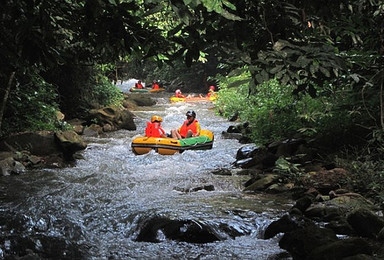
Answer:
[(96, 209)]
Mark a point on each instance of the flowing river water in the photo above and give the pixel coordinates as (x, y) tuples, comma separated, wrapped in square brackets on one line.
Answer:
[(96, 209)]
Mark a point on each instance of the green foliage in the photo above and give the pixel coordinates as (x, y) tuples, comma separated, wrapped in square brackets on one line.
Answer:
[(298, 66), (366, 173), (288, 169), (232, 100), (269, 111), (32, 106), (106, 93), (274, 113)]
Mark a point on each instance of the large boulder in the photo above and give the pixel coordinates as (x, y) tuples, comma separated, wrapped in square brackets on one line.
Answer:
[(141, 99), (365, 223), (10, 166), (180, 230), (342, 248), (40, 143), (301, 242), (45, 148), (262, 183), (70, 143), (113, 117)]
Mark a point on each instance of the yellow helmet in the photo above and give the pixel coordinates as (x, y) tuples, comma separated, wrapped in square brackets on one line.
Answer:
[(156, 118)]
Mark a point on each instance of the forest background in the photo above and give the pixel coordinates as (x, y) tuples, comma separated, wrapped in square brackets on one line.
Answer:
[(287, 68)]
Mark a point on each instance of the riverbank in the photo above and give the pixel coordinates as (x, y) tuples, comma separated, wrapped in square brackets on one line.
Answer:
[(330, 218)]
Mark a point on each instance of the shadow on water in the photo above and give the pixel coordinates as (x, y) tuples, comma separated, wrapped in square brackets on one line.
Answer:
[(116, 205)]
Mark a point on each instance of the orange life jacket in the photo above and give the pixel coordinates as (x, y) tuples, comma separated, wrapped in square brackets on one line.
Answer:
[(139, 85), (211, 93), (185, 127), (155, 86), (154, 130)]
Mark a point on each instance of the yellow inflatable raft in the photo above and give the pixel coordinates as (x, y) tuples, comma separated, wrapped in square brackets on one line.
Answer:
[(192, 99), (156, 90), (168, 146)]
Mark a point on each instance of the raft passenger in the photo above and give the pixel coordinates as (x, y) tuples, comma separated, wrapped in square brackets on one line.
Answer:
[(178, 94), (155, 85), (154, 128), (139, 85), (211, 92), (190, 128)]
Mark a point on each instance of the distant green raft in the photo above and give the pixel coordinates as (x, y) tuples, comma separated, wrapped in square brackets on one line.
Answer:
[(145, 90)]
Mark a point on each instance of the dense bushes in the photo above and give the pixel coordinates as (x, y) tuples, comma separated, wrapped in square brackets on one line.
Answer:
[(34, 103), (273, 112), (104, 92)]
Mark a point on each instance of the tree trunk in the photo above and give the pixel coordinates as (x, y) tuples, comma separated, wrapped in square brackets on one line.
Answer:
[(5, 99)]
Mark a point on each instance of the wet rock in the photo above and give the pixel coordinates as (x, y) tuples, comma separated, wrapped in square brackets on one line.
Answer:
[(223, 172), (238, 132), (234, 117), (324, 213), (365, 223), (263, 183), (33, 160), (340, 249), (186, 190), (301, 242), (249, 171), (45, 247), (234, 129), (340, 226), (126, 121), (303, 203), (116, 117), (236, 136), (41, 149), (40, 143), (180, 230), (78, 125), (246, 163), (70, 143), (285, 224), (248, 152), (350, 203), (277, 188), (93, 130), (287, 147), (107, 128), (9, 166), (141, 99), (5, 155)]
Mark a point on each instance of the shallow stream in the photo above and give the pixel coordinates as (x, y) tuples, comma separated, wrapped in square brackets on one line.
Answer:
[(95, 209)]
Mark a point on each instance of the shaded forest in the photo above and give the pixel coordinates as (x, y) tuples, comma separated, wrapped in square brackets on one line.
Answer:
[(290, 67)]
